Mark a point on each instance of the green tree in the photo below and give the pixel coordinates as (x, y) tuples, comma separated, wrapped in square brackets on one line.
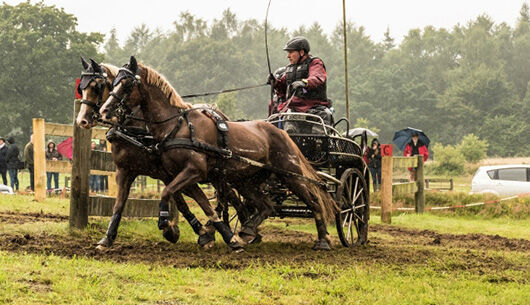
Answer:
[(472, 148), (448, 160), (40, 49)]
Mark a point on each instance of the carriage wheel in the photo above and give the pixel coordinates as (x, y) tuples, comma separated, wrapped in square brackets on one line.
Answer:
[(353, 198), (231, 220)]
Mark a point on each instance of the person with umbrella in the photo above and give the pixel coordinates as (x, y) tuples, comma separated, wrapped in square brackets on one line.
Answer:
[(413, 148)]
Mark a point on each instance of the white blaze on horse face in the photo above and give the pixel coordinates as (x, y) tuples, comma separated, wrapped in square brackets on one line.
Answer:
[(83, 108), (109, 100)]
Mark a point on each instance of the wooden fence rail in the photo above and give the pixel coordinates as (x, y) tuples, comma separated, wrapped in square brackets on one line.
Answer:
[(84, 162)]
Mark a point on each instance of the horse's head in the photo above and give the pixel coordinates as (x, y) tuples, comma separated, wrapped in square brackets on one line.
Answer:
[(125, 84), (95, 88)]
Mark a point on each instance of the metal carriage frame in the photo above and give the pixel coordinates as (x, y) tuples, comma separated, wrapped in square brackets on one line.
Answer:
[(337, 159)]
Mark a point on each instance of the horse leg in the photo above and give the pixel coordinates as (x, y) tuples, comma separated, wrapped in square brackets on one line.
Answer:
[(124, 180), (206, 233), (264, 206), (227, 195), (189, 176), (300, 190)]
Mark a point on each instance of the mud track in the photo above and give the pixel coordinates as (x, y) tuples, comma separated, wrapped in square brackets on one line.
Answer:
[(21, 218), (389, 245)]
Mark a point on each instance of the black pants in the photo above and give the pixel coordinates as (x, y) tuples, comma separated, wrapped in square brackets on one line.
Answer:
[(31, 177), (3, 172)]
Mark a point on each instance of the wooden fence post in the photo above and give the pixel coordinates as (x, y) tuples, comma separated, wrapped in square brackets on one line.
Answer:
[(419, 196), (39, 159), (386, 189), (80, 175)]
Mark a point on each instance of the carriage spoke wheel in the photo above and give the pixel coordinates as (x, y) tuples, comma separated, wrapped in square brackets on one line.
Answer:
[(352, 220), (231, 220)]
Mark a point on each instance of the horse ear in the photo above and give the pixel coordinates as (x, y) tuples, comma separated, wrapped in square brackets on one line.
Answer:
[(133, 64), (95, 65), (85, 64)]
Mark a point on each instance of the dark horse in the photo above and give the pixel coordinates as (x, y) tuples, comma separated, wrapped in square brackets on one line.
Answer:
[(170, 121), (131, 161)]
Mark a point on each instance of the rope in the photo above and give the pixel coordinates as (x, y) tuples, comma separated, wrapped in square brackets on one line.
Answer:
[(436, 208)]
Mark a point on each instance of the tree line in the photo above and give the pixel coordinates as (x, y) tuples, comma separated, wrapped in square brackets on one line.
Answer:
[(472, 78)]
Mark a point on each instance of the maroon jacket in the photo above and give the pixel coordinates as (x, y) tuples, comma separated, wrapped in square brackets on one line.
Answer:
[(317, 77)]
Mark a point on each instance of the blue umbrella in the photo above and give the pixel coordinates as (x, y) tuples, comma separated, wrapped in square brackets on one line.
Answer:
[(404, 136)]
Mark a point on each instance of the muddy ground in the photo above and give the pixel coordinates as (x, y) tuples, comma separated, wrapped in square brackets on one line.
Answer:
[(389, 245)]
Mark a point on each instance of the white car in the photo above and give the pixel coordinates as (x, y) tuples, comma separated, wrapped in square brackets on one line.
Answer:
[(502, 180)]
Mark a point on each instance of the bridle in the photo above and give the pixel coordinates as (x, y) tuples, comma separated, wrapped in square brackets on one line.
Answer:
[(86, 79), (122, 111)]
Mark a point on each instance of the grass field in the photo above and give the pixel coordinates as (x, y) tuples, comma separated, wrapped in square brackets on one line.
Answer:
[(420, 259)]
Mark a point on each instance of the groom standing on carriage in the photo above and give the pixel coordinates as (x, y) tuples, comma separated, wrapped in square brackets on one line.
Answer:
[(304, 84)]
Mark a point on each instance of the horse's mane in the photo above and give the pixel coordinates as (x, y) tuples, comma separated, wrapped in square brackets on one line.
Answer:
[(112, 70), (156, 79)]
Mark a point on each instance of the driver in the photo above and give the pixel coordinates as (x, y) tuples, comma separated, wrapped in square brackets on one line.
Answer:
[(305, 77)]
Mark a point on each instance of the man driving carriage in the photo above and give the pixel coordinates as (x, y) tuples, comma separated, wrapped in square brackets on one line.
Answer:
[(305, 81)]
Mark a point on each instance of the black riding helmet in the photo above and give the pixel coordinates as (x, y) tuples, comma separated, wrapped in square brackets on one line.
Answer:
[(296, 44)]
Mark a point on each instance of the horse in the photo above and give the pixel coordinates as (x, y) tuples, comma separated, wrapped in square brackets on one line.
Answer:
[(132, 161), (190, 151)]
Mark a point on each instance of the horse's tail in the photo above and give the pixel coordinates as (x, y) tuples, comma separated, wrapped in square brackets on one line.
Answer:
[(328, 207)]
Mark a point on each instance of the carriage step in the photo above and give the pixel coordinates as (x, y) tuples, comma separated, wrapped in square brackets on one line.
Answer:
[(293, 211)]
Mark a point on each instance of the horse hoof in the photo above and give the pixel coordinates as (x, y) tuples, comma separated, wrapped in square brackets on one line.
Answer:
[(236, 244), (101, 248), (257, 239), (171, 234), (322, 244), (236, 247), (209, 245), (205, 239), (104, 243)]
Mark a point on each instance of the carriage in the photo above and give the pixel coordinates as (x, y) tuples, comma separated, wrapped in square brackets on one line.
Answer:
[(338, 160)]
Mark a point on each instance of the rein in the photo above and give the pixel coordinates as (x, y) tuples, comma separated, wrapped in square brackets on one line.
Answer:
[(222, 91)]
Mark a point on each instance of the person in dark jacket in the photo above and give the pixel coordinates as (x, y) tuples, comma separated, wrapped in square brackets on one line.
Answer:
[(3, 160), (374, 163), (12, 163), (53, 155), (306, 80), (30, 163)]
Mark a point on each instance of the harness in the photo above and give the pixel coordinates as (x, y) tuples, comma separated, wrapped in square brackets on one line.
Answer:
[(219, 151)]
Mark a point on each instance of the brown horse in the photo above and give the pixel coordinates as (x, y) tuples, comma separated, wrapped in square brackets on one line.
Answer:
[(131, 161), (169, 120)]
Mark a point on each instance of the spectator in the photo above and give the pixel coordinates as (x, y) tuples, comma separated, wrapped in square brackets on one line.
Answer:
[(13, 163), (3, 160), (53, 155), (94, 179), (28, 156), (415, 147), (103, 179), (374, 163)]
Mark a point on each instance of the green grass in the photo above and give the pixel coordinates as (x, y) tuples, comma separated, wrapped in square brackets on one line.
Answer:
[(506, 227), (40, 279), (443, 277), (27, 204)]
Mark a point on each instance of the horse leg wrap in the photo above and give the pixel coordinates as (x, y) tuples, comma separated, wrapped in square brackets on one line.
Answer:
[(163, 217), (194, 223), (224, 230), (112, 231)]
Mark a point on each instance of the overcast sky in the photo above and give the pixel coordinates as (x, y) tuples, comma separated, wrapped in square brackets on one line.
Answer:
[(375, 15)]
